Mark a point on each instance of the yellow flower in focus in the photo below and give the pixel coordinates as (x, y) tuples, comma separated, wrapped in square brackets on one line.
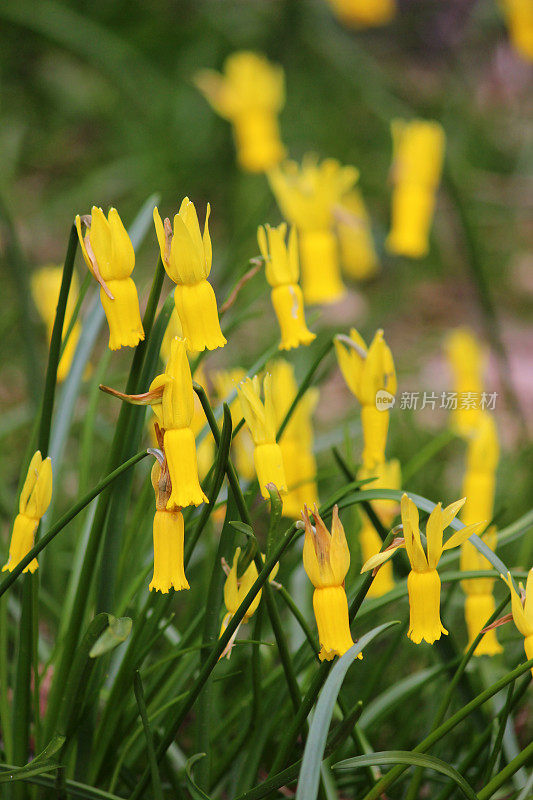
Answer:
[(168, 533), (467, 363), (519, 17), (364, 13), (358, 255), (423, 582), (522, 610), (45, 288), (326, 559), (109, 255), (250, 94), (371, 377), (173, 331), (261, 420), (282, 273), (34, 500), (187, 258), (307, 196), (242, 445), (418, 155)]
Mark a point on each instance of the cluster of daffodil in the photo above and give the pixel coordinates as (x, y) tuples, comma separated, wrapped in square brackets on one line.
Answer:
[(370, 376)]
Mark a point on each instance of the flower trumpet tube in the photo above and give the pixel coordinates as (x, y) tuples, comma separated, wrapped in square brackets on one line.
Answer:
[(250, 94), (109, 255), (423, 582), (261, 420), (168, 526), (358, 254), (187, 258), (34, 500), (45, 288), (326, 559), (371, 377), (522, 610), (418, 154), (466, 360), (519, 16), (282, 273), (364, 13), (307, 196)]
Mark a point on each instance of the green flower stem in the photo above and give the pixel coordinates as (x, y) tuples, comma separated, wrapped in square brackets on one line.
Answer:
[(300, 619), (87, 281), (506, 773), (139, 696), (369, 511)]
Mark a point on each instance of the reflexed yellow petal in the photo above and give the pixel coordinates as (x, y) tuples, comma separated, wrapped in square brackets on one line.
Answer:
[(231, 591), (206, 241), (528, 605), (123, 254), (160, 233), (450, 512), (461, 536), (101, 242), (434, 529), (519, 617), (339, 553), (30, 481), (411, 532), (380, 558)]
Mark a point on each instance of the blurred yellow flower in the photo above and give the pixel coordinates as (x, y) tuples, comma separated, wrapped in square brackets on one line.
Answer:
[(387, 476), (519, 16), (168, 538), (250, 94), (109, 255), (242, 445), (358, 254), (364, 13), (522, 610), (45, 288), (34, 500), (205, 450), (467, 363), (418, 155), (187, 258)]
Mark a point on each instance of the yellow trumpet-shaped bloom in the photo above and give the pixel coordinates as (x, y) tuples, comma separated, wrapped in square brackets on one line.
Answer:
[(261, 419), (307, 196), (364, 13), (522, 610), (282, 273), (45, 288), (109, 255), (187, 257), (34, 500), (423, 582), (467, 363), (168, 532), (297, 440), (250, 94), (242, 445), (519, 17), (387, 476), (326, 559), (358, 254), (371, 377), (418, 154)]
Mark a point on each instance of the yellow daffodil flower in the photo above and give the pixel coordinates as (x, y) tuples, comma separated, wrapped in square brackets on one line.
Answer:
[(307, 196), (242, 445), (168, 538), (250, 94), (478, 487), (387, 476), (34, 500), (45, 288), (467, 363), (261, 419), (282, 273), (326, 559), (522, 610), (519, 17), (364, 13), (423, 582), (172, 331), (418, 154), (371, 377), (109, 255), (358, 254), (187, 257)]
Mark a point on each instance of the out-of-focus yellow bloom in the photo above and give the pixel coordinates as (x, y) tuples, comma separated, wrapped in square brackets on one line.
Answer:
[(168, 538), (418, 154), (364, 13), (467, 362), (326, 560), (522, 609), (205, 450), (423, 582), (242, 445), (34, 500), (173, 330), (187, 258), (519, 16), (250, 94), (45, 288), (307, 196), (358, 254), (478, 487), (108, 252), (282, 273), (261, 419), (387, 476), (371, 377), (296, 442)]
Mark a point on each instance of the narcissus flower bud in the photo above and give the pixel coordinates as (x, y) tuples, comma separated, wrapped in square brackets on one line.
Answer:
[(34, 500), (522, 610), (108, 252), (45, 288), (168, 533)]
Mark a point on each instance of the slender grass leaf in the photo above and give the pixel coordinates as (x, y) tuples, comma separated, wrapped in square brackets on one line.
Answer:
[(117, 632), (196, 792)]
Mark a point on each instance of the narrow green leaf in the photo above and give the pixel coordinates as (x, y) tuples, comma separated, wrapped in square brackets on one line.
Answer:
[(242, 527), (139, 696), (196, 792), (117, 632)]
